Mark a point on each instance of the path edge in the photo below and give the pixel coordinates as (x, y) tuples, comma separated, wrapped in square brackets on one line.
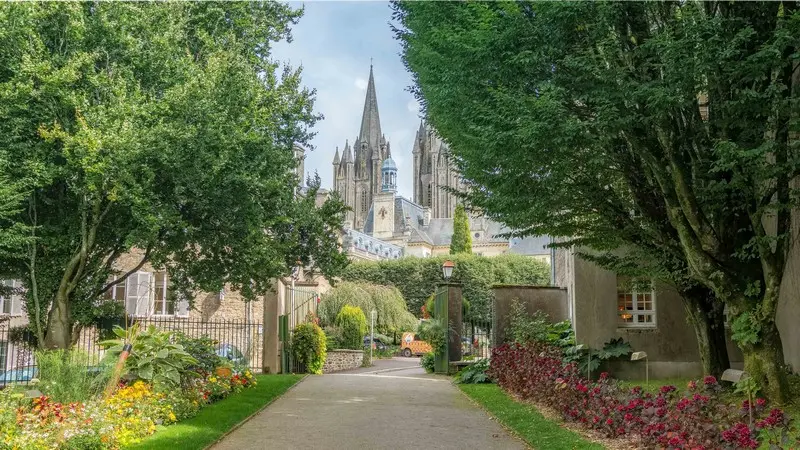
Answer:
[(480, 406), (247, 419)]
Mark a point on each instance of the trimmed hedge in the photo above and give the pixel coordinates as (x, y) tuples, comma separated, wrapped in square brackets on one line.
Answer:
[(416, 278), (352, 324)]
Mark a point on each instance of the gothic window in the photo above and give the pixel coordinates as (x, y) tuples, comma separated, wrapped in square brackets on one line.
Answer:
[(430, 194), (363, 200)]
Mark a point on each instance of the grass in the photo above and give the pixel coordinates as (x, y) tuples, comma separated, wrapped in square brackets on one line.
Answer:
[(525, 420), (215, 420)]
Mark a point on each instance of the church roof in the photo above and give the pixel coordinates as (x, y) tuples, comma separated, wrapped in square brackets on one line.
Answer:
[(370, 119), (531, 245)]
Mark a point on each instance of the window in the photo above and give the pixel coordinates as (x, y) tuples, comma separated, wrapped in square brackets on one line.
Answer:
[(3, 355), (11, 304), (636, 303), (162, 306), (115, 292), (430, 194), (363, 201)]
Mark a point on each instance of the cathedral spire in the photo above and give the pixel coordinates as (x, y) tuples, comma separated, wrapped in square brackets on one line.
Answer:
[(336, 158), (370, 120), (347, 155)]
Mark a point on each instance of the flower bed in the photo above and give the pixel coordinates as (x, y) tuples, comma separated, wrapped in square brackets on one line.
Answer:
[(693, 418), (164, 384)]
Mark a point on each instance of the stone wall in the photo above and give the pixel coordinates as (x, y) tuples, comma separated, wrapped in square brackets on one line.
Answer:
[(343, 360), (550, 300)]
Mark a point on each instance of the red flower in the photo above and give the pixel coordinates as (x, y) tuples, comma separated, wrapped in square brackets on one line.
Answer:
[(710, 380)]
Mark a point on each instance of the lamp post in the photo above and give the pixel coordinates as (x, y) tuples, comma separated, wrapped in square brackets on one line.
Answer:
[(373, 314), (447, 269)]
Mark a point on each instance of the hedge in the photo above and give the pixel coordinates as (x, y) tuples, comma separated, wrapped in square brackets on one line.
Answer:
[(416, 278)]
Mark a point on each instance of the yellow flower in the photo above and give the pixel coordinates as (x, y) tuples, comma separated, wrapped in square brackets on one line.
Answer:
[(172, 417), (212, 379)]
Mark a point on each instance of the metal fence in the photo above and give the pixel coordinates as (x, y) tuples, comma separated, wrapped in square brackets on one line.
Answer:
[(238, 340), (476, 338)]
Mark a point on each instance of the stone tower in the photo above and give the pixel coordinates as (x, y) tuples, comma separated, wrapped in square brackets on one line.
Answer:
[(357, 174), (434, 173)]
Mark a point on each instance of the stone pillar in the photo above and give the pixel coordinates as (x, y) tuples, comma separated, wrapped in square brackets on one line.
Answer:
[(454, 313), (273, 303)]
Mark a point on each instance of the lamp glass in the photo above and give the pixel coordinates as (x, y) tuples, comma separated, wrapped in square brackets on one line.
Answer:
[(447, 269)]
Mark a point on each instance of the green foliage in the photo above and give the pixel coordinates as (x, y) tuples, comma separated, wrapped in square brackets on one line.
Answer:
[(523, 328), (461, 241), (154, 356), (64, 375), (392, 312), (434, 332), (621, 127), (430, 305), (152, 125), (475, 373), (417, 278), (353, 325), (589, 360), (202, 349), (745, 329), (428, 362), (309, 346)]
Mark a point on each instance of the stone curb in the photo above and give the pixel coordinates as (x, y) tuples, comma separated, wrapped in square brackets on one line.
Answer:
[(247, 419)]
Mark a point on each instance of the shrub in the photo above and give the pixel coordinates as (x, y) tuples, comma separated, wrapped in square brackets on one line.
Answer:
[(696, 418), (475, 373), (353, 325), (154, 357), (333, 335), (309, 346), (427, 362), (64, 375), (434, 331), (392, 317), (201, 349)]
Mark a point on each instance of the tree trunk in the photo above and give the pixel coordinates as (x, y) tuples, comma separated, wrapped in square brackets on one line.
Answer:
[(764, 361), (59, 324), (705, 314)]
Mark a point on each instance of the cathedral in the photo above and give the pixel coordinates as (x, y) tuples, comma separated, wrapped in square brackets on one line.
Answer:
[(384, 225)]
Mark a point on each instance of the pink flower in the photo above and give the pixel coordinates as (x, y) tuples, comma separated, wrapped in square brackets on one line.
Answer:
[(710, 380)]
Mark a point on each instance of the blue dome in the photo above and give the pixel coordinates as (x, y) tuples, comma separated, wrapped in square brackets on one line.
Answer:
[(389, 164)]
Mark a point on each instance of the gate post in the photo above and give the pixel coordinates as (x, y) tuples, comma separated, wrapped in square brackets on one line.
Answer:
[(448, 307)]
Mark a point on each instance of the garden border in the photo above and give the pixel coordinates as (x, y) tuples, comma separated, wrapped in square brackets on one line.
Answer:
[(247, 419), (491, 416)]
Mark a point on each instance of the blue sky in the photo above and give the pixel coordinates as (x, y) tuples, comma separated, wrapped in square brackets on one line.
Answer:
[(334, 42)]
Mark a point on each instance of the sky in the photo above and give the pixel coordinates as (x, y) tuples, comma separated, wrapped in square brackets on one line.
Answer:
[(334, 42)]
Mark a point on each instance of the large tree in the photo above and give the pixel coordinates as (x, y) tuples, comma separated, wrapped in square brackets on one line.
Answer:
[(659, 129), (163, 127)]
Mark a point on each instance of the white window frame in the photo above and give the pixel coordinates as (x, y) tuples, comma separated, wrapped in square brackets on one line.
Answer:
[(165, 302), (14, 301), (4, 355), (635, 312)]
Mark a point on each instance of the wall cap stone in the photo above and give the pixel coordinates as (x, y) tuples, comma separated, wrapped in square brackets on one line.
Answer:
[(527, 286), (345, 350)]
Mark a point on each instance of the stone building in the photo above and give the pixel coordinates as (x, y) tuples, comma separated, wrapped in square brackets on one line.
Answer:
[(434, 174)]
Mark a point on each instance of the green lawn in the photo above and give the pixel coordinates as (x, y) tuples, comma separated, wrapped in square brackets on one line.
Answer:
[(215, 420), (526, 421)]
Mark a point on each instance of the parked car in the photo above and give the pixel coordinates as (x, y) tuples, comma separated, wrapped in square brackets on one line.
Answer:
[(411, 345), (18, 375), (377, 345), (232, 354)]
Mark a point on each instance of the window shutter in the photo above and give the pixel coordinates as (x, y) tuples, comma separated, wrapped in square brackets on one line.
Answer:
[(16, 300), (182, 307), (131, 289), (143, 294)]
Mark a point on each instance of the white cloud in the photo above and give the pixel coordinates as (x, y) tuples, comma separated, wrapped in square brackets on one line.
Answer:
[(361, 84), (413, 106)]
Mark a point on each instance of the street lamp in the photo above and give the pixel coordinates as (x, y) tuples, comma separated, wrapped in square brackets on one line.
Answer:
[(447, 269)]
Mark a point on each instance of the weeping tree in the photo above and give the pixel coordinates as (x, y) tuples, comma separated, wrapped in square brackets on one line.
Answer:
[(392, 312), (159, 130), (659, 134)]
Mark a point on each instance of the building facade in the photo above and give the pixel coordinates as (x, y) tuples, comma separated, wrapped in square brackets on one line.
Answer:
[(435, 178)]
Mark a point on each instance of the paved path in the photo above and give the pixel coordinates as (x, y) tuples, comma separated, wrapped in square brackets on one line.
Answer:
[(394, 405)]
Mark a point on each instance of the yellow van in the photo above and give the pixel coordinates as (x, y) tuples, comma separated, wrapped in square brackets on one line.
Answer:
[(411, 345)]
